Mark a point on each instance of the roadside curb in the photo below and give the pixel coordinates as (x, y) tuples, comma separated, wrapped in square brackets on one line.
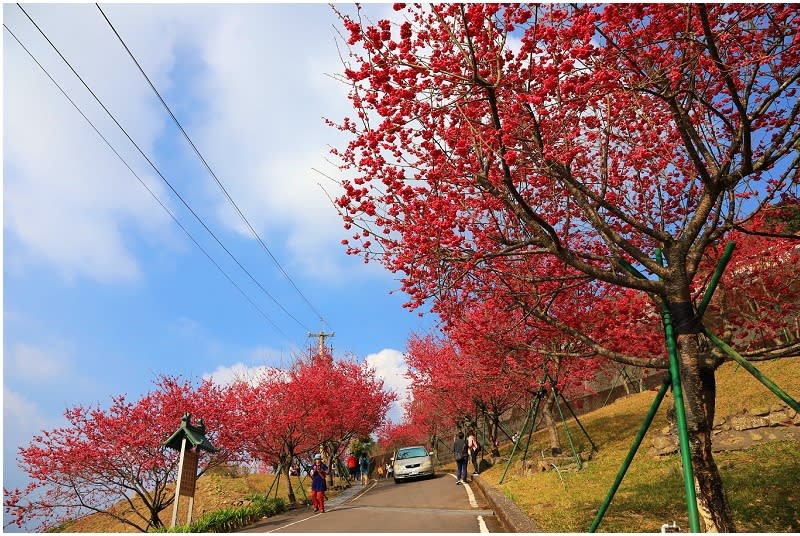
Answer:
[(509, 514)]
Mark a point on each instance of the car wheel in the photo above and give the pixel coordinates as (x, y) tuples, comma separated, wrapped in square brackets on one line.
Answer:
[(396, 481)]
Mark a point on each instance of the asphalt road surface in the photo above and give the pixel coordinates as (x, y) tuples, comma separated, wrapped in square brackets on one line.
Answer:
[(432, 505)]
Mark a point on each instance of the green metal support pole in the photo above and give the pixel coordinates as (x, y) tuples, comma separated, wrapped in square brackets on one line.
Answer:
[(648, 420), (300, 479), (683, 431), (500, 427), (594, 447), (516, 443), (533, 426), (780, 393), (275, 481), (712, 285), (566, 429), (680, 411), (611, 391), (680, 416)]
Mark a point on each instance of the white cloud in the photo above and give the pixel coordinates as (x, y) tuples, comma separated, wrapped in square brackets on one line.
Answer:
[(67, 197), (239, 372), (37, 364), (22, 419), (390, 365), (249, 83), (271, 114)]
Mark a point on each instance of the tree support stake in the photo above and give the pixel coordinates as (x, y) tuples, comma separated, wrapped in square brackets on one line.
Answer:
[(648, 420), (532, 410), (574, 416), (733, 354), (575, 453)]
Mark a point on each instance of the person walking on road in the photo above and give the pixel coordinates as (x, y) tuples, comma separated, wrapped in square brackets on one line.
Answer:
[(352, 466), (460, 454), (363, 466), (474, 447), (319, 472)]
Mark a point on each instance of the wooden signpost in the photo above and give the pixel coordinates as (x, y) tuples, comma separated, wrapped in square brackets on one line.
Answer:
[(195, 436)]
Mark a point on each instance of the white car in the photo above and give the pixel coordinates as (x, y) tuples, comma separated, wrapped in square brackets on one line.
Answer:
[(412, 462)]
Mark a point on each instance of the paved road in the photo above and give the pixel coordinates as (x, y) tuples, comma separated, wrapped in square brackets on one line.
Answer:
[(433, 505)]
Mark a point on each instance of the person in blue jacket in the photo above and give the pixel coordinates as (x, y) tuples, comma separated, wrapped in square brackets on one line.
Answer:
[(319, 472)]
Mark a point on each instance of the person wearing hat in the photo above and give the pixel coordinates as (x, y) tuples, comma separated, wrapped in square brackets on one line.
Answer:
[(319, 472)]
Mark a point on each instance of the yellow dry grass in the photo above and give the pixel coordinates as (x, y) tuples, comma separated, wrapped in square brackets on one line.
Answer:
[(213, 492), (761, 482)]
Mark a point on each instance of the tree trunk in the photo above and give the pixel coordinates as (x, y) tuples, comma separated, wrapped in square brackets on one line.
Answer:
[(550, 423), (494, 434), (155, 521), (699, 392), (287, 470)]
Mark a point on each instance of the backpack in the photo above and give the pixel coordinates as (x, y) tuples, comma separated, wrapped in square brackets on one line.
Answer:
[(465, 452)]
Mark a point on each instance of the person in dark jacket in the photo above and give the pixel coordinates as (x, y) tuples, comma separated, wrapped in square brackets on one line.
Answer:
[(460, 454), (363, 468), (319, 472)]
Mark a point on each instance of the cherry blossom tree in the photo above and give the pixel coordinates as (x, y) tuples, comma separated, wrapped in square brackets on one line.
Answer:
[(577, 138), (317, 403), (106, 456)]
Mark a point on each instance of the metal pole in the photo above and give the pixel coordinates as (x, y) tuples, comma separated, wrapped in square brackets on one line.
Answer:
[(566, 428), (300, 480), (594, 447), (611, 391), (680, 412), (178, 484), (533, 425), (780, 393), (516, 443), (648, 420), (712, 285), (275, 480), (680, 415)]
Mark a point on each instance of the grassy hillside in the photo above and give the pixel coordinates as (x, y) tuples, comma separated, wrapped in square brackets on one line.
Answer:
[(762, 482)]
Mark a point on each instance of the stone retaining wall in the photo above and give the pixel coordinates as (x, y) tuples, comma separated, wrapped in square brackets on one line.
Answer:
[(740, 431)]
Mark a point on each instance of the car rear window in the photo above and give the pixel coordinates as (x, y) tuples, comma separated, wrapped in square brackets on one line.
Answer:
[(415, 452)]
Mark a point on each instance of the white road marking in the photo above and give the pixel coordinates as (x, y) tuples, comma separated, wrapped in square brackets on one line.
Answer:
[(472, 502), (295, 522), (361, 493)]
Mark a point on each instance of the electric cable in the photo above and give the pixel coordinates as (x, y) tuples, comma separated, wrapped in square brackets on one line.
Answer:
[(144, 184), (149, 161), (207, 166)]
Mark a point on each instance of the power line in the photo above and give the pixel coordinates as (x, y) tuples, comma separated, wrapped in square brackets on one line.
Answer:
[(146, 187), (210, 171), (149, 161)]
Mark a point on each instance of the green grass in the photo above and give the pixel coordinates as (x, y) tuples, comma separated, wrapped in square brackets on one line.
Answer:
[(762, 483)]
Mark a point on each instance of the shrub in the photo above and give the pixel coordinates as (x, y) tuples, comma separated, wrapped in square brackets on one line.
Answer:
[(231, 519)]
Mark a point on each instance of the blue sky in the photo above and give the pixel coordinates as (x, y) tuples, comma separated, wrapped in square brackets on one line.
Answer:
[(102, 291)]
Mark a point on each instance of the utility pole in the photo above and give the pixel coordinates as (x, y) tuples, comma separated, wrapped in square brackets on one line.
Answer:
[(321, 336)]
